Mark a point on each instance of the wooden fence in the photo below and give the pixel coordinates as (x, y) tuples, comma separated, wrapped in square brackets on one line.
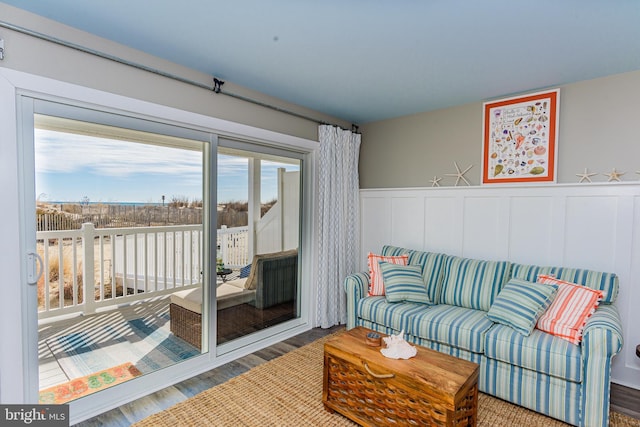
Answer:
[(116, 216)]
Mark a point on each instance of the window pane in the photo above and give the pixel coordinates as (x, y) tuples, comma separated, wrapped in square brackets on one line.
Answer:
[(119, 229), (258, 239)]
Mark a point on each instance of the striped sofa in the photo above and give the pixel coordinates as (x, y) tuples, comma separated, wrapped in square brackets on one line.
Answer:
[(540, 371)]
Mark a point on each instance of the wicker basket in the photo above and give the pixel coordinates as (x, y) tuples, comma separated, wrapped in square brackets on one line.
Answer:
[(186, 324), (371, 390), (379, 402)]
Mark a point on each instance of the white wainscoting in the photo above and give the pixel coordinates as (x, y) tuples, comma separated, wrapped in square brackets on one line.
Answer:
[(594, 226)]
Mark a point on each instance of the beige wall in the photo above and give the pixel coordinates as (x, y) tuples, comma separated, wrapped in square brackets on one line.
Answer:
[(597, 130), (596, 127), (36, 56)]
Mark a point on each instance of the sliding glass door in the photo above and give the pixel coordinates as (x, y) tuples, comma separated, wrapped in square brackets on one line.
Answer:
[(258, 269), (120, 213), (119, 220)]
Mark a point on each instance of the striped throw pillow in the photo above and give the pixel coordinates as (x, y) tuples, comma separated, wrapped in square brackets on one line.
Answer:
[(432, 266), (569, 311), (377, 283), (404, 283), (520, 303)]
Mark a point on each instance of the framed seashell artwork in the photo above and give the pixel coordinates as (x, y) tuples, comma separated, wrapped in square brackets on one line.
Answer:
[(520, 139)]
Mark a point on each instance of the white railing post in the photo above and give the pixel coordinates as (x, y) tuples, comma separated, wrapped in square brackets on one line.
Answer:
[(88, 267), (224, 244)]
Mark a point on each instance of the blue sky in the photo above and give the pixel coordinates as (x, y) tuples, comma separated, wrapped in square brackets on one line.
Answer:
[(70, 167)]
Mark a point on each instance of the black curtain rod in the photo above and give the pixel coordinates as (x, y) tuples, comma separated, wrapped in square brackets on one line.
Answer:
[(216, 88)]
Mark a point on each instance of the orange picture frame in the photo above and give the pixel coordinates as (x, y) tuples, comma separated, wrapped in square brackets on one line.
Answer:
[(520, 139)]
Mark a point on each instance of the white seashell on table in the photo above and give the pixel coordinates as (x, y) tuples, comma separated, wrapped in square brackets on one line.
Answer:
[(397, 347)]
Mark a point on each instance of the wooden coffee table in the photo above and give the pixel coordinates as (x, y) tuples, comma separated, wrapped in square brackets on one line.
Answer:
[(431, 388)]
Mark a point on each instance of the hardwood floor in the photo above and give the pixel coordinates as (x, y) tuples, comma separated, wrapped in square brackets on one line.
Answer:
[(233, 322), (623, 399)]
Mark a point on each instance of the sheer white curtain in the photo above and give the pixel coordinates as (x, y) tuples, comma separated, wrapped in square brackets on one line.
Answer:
[(339, 215)]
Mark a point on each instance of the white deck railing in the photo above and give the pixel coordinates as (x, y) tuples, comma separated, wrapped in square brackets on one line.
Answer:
[(121, 265), (233, 246)]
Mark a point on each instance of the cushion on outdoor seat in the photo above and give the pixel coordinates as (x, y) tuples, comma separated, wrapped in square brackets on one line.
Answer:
[(455, 326), (540, 352), (191, 299), (228, 294), (233, 293), (394, 315), (238, 283)]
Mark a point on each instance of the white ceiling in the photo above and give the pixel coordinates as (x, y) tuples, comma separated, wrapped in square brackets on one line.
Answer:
[(367, 60)]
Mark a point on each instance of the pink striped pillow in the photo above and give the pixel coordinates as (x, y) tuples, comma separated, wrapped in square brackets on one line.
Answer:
[(569, 311), (377, 284)]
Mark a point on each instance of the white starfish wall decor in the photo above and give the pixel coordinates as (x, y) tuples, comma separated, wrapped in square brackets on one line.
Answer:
[(614, 175), (435, 182), (460, 174), (586, 176)]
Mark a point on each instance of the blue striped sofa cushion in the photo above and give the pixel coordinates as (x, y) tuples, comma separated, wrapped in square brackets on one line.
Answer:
[(432, 267), (404, 283), (520, 303), (605, 282), (378, 310), (540, 352), (455, 326), (473, 283)]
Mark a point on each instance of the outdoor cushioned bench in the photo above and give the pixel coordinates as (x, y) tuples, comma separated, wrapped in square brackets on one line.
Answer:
[(272, 280), (539, 371)]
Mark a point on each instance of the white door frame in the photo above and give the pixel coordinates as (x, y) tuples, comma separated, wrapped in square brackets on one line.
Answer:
[(18, 327)]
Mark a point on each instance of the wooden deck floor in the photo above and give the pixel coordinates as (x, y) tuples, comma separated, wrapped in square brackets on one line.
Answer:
[(49, 369), (233, 322), (156, 402)]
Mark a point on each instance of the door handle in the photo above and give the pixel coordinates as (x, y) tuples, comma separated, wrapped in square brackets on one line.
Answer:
[(35, 268)]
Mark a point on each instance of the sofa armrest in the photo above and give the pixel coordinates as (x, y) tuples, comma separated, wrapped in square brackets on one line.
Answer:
[(606, 317), (601, 341), (356, 286)]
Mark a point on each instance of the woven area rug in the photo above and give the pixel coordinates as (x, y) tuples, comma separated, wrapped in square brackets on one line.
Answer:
[(287, 391), (79, 387), (148, 345)]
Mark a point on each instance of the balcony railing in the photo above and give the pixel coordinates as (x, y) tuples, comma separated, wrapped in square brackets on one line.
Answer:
[(90, 268)]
